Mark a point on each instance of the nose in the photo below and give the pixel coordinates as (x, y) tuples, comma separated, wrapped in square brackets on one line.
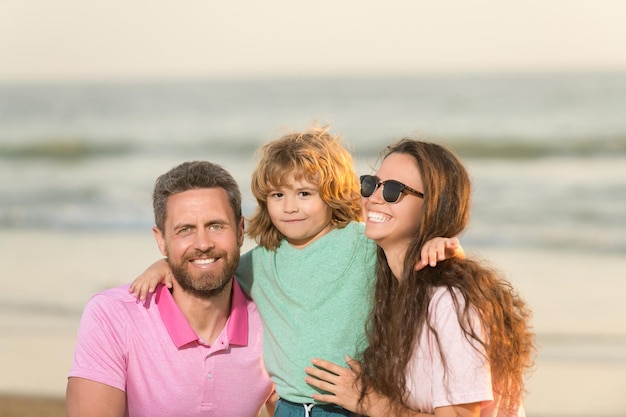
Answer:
[(202, 240), (377, 195), (290, 205)]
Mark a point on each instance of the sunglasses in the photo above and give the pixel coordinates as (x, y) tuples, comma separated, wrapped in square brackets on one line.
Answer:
[(392, 189)]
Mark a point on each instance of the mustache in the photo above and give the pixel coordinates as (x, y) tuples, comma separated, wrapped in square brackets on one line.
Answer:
[(212, 253)]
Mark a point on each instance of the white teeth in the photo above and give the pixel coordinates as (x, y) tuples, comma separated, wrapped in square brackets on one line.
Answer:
[(377, 217), (204, 261)]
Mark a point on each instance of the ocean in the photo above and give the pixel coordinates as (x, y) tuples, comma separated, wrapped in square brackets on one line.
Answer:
[(546, 152)]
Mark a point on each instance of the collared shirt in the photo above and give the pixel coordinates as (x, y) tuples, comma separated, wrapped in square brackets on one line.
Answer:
[(150, 352)]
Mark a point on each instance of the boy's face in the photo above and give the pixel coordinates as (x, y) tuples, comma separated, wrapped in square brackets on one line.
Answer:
[(298, 212)]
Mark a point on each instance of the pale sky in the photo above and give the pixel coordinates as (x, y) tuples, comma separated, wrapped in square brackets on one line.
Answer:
[(144, 39)]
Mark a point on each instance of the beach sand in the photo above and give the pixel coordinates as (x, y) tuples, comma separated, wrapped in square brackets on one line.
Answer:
[(31, 406), (37, 406), (577, 299)]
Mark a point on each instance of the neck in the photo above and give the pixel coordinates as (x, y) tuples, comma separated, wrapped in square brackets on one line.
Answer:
[(395, 259), (303, 243), (206, 316)]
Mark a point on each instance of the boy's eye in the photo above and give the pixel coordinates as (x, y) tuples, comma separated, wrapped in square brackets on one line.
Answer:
[(304, 193), (276, 195)]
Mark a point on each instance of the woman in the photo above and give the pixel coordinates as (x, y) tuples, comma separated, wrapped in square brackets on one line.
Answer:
[(454, 340)]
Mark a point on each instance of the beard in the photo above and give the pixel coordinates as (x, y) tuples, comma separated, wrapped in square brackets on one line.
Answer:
[(205, 284)]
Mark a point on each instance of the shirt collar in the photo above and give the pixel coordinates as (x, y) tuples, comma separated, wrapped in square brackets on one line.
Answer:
[(181, 332)]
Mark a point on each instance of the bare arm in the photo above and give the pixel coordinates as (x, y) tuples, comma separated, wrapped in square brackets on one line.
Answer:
[(344, 390), (147, 282), (86, 398), (270, 404)]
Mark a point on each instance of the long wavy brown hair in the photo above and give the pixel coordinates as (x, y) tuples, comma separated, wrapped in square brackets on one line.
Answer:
[(401, 306), (315, 155)]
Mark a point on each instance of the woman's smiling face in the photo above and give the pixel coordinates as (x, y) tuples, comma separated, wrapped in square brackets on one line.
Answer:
[(393, 225)]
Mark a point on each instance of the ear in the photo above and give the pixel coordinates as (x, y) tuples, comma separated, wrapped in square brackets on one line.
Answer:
[(241, 232), (160, 240)]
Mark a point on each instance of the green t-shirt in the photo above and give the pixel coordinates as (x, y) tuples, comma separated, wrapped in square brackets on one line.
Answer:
[(313, 303)]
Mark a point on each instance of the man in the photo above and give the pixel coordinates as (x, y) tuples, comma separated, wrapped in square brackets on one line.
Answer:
[(196, 350)]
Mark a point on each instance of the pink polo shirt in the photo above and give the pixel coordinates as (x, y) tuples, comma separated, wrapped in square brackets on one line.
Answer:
[(150, 352)]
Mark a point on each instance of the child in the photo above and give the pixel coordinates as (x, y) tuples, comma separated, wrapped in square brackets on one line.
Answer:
[(313, 272)]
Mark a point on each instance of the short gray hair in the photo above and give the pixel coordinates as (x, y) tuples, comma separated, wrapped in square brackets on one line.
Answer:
[(193, 175)]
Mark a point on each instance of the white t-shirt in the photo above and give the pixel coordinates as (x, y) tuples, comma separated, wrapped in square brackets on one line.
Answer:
[(468, 375)]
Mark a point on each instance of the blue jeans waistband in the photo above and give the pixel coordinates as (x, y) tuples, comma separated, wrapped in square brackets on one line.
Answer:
[(313, 409)]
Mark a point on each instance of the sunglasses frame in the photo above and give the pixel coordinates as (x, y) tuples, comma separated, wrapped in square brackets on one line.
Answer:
[(403, 188)]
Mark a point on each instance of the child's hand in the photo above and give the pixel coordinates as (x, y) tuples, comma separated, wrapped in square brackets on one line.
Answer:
[(439, 249), (147, 282)]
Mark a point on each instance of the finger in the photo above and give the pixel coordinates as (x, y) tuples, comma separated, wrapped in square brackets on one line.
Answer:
[(145, 290), (453, 243), (136, 292), (441, 250), (330, 366), (425, 257), (325, 398), (353, 364), (141, 292), (169, 279), (320, 384), (432, 256), (320, 374), (421, 263)]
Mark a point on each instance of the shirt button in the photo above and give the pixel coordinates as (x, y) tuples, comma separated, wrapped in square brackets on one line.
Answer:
[(209, 375)]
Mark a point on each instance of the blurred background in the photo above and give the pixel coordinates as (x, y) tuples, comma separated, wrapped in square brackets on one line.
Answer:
[(98, 99)]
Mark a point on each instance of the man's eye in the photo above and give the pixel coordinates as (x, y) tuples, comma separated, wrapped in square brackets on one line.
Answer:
[(216, 227)]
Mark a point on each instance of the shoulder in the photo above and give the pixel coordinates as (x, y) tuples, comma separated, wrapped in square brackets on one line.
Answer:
[(446, 301), (107, 315), (245, 268), (113, 301), (356, 228), (113, 295), (449, 309), (353, 232)]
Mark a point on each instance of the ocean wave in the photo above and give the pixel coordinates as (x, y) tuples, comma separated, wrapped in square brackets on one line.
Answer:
[(523, 148), (64, 148), (468, 147), (512, 148)]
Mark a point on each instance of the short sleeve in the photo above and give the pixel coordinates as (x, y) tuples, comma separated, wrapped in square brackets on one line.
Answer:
[(101, 348), (466, 376)]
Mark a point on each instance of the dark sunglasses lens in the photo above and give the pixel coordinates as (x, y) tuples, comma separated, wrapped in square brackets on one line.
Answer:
[(368, 185), (392, 191)]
